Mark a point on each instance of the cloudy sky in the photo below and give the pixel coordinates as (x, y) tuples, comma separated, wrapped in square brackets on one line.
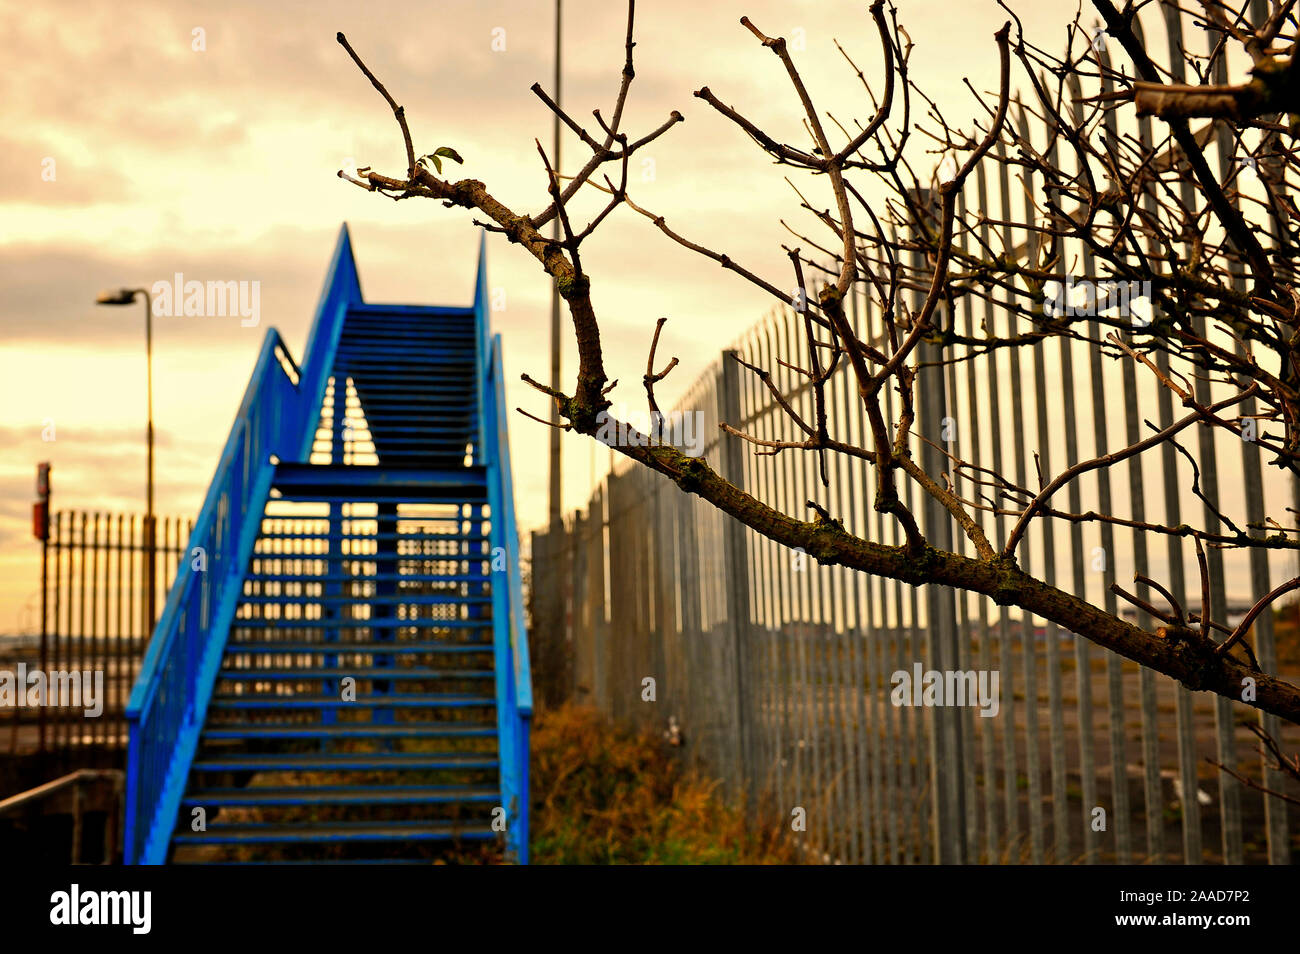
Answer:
[(145, 139)]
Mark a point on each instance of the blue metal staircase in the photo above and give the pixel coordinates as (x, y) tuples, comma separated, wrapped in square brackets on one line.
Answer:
[(341, 670)]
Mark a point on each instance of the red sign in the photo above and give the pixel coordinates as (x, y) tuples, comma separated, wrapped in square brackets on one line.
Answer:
[(41, 520)]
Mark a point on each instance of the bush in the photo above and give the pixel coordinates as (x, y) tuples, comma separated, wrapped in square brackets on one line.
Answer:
[(603, 794), (1286, 633)]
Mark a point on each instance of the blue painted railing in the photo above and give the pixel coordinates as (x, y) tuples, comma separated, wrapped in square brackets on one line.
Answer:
[(276, 420), (171, 693), (509, 638), (514, 683)]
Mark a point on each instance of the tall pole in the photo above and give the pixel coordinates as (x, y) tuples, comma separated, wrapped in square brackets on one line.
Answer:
[(41, 524), (148, 607), (555, 503), (151, 541)]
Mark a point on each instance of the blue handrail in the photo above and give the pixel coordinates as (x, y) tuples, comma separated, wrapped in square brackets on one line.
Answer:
[(514, 685), (171, 693), (169, 700), (509, 637)]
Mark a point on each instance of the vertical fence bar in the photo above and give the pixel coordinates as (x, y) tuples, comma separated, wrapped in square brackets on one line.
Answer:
[(1275, 812), (971, 442), (943, 744), (1029, 647), (736, 573), (1007, 712), (1225, 750), (864, 631)]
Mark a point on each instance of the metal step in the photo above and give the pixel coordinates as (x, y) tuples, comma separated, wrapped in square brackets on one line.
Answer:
[(383, 622), (352, 730), (346, 761), (361, 649), (395, 701), (323, 535), (367, 578), (337, 483), (317, 832), (407, 599), (424, 673), (343, 795)]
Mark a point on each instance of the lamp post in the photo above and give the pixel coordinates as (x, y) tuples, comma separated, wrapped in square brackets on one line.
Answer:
[(125, 296)]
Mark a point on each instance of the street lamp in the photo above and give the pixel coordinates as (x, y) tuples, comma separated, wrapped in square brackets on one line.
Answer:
[(125, 296)]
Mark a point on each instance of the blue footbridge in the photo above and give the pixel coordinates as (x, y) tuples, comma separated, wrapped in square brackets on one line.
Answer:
[(341, 673)]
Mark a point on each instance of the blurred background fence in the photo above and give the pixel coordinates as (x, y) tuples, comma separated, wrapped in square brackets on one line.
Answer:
[(94, 611), (776, 672)]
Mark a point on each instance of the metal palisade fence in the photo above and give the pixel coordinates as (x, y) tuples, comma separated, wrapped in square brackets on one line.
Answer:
[(777, 674), (94, 586)]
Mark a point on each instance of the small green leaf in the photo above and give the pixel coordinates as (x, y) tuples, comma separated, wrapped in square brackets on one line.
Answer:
[(442, 152)]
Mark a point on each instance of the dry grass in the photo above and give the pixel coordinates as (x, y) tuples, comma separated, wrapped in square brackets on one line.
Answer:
[(603, 794), (1286, 633)]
